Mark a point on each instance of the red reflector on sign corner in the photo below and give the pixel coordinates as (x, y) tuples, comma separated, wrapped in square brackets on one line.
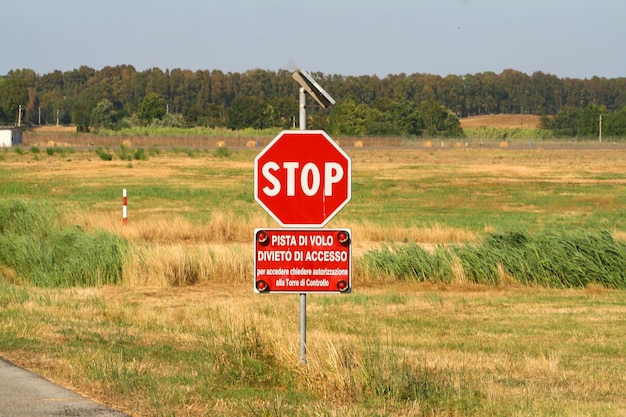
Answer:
[(343, 237), (262, 286), (343, 286), (262, 237)]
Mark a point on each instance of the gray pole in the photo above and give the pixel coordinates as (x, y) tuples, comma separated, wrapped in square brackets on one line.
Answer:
[(302, 295), (302, 109), (303, 328), (307, 83), (600, 136)]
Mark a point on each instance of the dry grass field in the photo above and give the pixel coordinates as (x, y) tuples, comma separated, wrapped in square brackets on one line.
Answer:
[(510, 121), (184, 334), (53, 128)]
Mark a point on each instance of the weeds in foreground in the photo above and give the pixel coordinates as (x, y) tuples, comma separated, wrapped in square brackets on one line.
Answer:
[(228, 357)]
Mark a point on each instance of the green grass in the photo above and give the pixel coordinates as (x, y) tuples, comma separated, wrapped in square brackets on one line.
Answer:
[(552, 258), (485, 199), (41, 251), (427, 191)]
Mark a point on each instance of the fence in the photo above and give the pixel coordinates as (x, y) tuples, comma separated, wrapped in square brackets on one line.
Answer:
[(85, 140), (58, 139)]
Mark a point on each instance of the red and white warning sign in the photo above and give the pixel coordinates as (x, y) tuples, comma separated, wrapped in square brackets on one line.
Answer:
[(303, 260)]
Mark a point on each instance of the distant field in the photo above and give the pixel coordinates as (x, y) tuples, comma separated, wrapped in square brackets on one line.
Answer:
[(524, 121), (53, 128)]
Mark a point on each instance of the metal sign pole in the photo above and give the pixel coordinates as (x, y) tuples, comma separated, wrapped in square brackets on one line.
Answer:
[(302, 295), (302, 109), (303, 328)]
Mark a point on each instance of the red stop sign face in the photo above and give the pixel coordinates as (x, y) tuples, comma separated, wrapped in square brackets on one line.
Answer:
[(302, 178)]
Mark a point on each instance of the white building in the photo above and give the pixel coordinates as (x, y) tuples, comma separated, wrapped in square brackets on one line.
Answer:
[(10, 136)]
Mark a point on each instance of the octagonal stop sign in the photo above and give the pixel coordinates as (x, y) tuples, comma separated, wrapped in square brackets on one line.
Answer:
[(302, 178)]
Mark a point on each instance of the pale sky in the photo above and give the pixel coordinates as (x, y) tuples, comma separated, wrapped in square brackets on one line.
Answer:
[(567, 38)]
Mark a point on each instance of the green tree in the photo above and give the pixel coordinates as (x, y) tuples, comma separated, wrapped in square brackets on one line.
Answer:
[(285, 110), (439, 121), (394, 117), (251, 112), (589, 121), (103, 115), (81, 115), (152, 107), (614, 124), (564, 123), (213, 115), (13, 94), (348, 118)]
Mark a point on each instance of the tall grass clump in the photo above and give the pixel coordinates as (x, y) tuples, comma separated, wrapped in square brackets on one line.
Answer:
[(223, 152), (407, 262), (125, 153), (552, 258), (192, 153), (558, 259), (39, 250), (389, 375), (50, 151), (104, 154), (376, 374)]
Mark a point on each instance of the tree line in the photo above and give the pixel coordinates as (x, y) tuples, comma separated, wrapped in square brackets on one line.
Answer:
[(401, 104)]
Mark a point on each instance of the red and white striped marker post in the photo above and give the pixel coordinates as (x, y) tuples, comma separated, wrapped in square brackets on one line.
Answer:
[(124, 208)]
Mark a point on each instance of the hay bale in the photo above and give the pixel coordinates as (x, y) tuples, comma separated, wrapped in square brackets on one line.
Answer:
[(127, 143), (250, 144), (50, 143), (427, 144), (220, 144), (358, 144), (504, 144)]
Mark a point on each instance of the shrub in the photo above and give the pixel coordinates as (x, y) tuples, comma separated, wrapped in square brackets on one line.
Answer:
[(140, 154), (154, 151), (61, 151), (104, 154), (125, 153), (223, 152), (190, 152)]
